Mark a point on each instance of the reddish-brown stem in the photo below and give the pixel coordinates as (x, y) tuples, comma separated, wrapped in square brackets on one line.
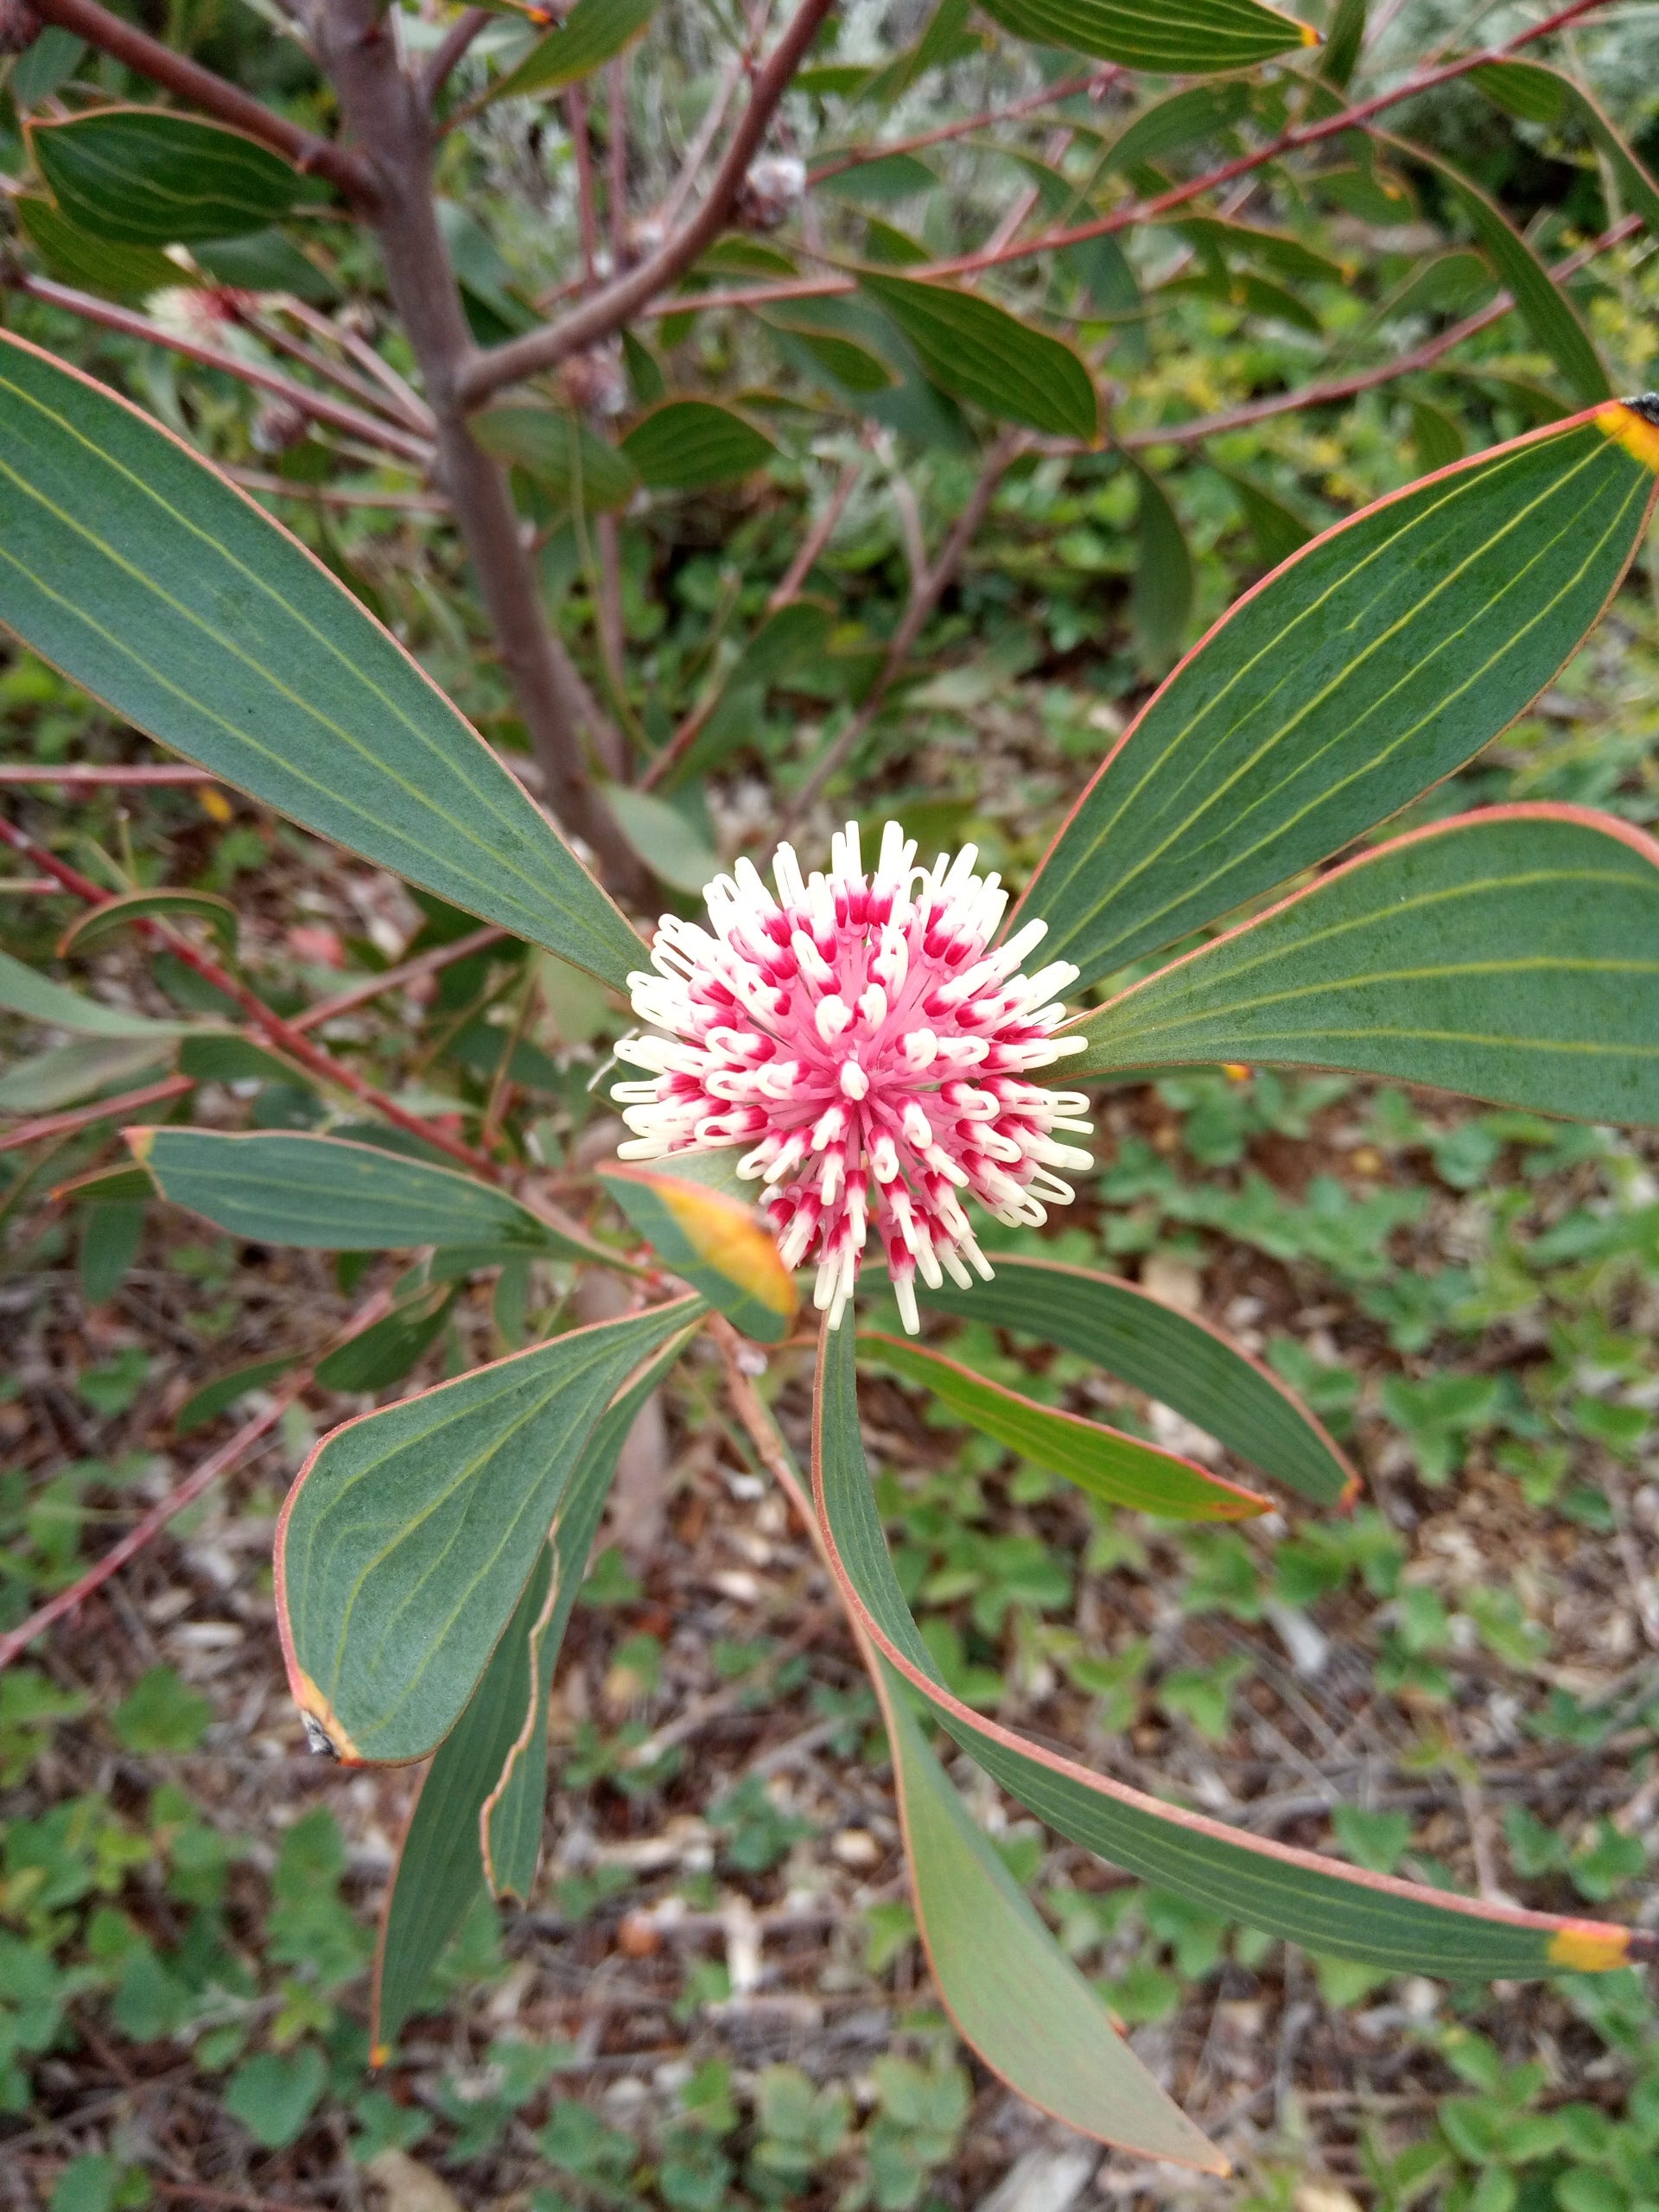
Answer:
[(407, 400), (374, 395), (276, 1031), (101, 1109), (816, 538), (1349, 387), (616, 161), (77, 775), (926, 591), (374, 429), (581, 147), (1028, 105), (611, 307), (334, 495), (737, 65), (217, 1463), (202, 88), (393, 979), (456, 42), (387, 117)]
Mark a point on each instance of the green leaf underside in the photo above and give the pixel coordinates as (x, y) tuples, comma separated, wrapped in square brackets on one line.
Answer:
[(513, 1816), (556, 449), (440, 1864), (490, 1752), (131, 566), (1511, 956), (410, 1534), (89, 262), (145, 176), (55, 1006), (1117, 1469), (1539, 94), (1012, 1991), (593, 32), (186, 905), (1291, 1894), (685, 444), (1174, 1359), (70, 1073), (1379, 660), (979, 352), (1542, 304), (689, 1228), (1188, 37), (282, 1186)]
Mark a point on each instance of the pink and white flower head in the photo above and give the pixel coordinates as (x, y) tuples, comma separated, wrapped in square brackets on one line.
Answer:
[(857, 1036)]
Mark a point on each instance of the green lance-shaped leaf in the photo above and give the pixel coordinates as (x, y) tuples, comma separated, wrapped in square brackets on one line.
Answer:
[(55, 1006), (685, 444), (410, 1533), (1542, 304), (1005, 1982), (1296, 1894), (556, 449), (1512, 955), (488, 1777), (1537, 93), (979, 352), (140, 906), (1161, 597), (146, 176), (1181, 1361), (288, 1187), (594, 33), (1183, 38), (89, 262), (131, 566), (1383, 655), (47, 1080), (1117, 1469), (685, 1209)]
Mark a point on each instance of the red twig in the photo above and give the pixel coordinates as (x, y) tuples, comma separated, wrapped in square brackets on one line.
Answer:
[(81, 775), (456, 40), (283, 1035), (1045, 98), (609, 308), (101, 1109), (393, 979), (235, 1448), (202, 88), (1324, 395), (374, 429), (816, 539), (279, 487), (582, 147)]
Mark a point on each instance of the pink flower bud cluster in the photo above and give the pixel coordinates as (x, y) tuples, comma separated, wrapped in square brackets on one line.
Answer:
[(857, 1037)]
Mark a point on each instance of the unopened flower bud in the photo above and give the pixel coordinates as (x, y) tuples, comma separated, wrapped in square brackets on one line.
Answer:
[(771, 191)]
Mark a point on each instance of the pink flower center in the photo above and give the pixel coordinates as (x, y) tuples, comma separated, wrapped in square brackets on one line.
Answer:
[(857, 1038)]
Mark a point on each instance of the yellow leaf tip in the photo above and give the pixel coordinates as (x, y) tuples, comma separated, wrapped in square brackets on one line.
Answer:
[(378, 2054), (1310, 36), (139, 1143), (1590, 1947), (1634, 424)]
